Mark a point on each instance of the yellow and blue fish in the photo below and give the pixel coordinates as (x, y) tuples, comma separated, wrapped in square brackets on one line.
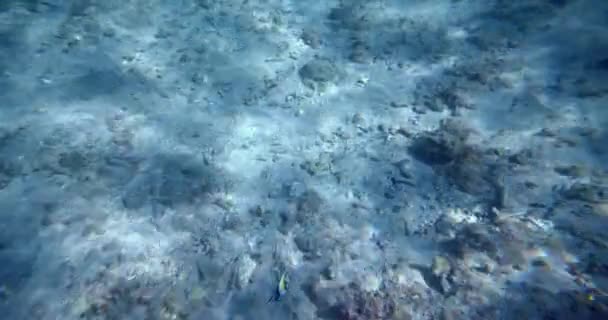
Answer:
[(280, 290)]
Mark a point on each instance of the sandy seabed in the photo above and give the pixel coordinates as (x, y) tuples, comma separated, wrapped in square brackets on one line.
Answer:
[(393, 159)]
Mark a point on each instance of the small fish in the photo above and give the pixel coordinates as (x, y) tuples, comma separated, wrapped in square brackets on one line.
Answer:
[(591, 295), (594, 294), (280, 290)]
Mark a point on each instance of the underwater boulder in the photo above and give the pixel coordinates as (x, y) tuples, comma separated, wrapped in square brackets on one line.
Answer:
[(318, 72), (169, 181)]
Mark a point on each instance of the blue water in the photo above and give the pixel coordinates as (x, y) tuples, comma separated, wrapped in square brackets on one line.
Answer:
[(388, 159)]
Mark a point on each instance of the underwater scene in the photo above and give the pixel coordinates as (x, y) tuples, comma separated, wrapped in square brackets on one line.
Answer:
[(303, 160)]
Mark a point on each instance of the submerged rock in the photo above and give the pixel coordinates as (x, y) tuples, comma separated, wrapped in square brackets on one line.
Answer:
[(318, 73), (351, 303), (441, 97), (587, 193), (169, 180), (311, 38), (470, 174), (574, 171), (524, 157), (73, 160), (318, 166), (360, 52), (432, 150), (441, 266), (308, 206), (465, 165), (473, 238), (8, 170), (245, 269), (441, 146)]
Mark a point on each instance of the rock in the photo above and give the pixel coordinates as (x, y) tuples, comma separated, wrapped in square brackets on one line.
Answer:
[(169, 180), (445, 284), (362, 81), (360, 306), (308, 206), (359, 52), (566, 141), (442, 146), (587, 193), (245, 268), (404, 169), (522, 158), (452, 313), (287, 221), (318, 72), (442, 97), (599, 176), (453, 100), (601, 209), (401, 313), (541, 263), (358, 119), (501, 194), (590, 87), (441, 266), (351, 17), (419, 110), (445, 227), (197, 294), (349, 302), (530, 185), (8, 171), (318, 166), (435, 106), (471, 238), (447, 151), (432, 151), (546, 132), (404, 132), (396, 105), (73, 160), (573, 171), (311, 38), (371, 283), (136, 193), (294, 189), (307, 244), (471, 175)]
